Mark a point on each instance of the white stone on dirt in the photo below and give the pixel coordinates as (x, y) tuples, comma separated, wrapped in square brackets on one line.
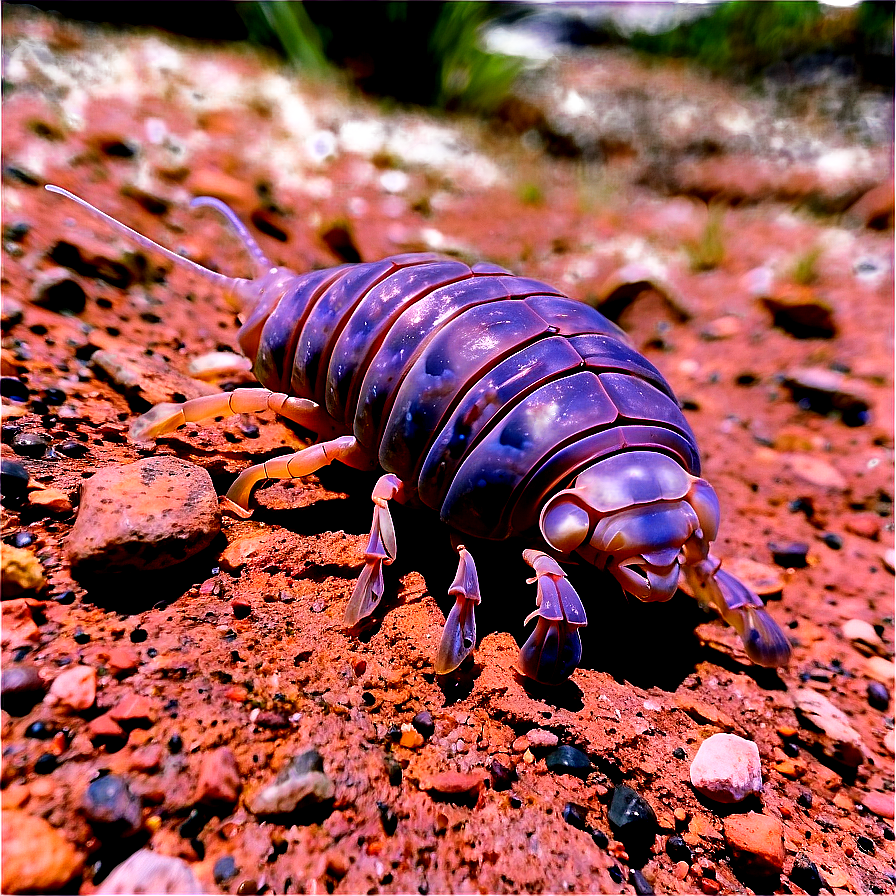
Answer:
[(727, 768), (149, 872), (863, 637), (147, 515), (301, 785)]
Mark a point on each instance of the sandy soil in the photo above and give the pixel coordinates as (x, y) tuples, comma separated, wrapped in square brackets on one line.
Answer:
[(140, 124)]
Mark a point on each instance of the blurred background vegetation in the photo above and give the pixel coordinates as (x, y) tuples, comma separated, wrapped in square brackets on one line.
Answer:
[(432, 53)]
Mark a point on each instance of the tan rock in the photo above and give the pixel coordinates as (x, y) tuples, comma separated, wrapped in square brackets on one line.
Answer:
[(727, 768), (757, 842), (150, 872), (863, 637), (836, 736), (36, 857), (147, 515), (19, 627), (20, 572), (880, 669), (880, 804), (75, 688), (52, 501), (235, 556), (134, 711)]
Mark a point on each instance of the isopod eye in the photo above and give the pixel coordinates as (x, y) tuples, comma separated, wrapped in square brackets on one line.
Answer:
[(564, 525)]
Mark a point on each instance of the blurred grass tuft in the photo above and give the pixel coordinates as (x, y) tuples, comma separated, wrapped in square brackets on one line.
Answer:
[(707, 252)]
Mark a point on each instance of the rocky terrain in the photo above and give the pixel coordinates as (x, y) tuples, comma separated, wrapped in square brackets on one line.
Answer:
[(182, 708)]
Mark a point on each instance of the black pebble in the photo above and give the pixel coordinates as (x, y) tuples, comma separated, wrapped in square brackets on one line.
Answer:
[(40, 731), (20, 689), (193, 826), (71, 448), (791, 554), (600, 839), (225, 869), (8, 431), (575, 815), (424, 723), (569, 761), (112, 808), (67, 597), (31, 444), (834, 542), (866, 844), (804, 800), (503, 776), (805, 875), (616, 874), (878, 695), (13, 482), (632, 820), (175, 743), (678, 850), (515, 801), (679, 753), (60, 293), (81, 637), (639, 882), (22, 539), (12, 387), (139, 635), (45, 765), (393, 770), (388, 819)]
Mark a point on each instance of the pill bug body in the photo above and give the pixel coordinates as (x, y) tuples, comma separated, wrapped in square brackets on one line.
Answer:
[(501, 404)]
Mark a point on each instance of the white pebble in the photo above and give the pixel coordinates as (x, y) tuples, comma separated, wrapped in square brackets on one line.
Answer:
[(727, 768)]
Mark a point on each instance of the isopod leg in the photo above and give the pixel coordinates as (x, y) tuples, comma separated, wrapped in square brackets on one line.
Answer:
[(764, 640), (292, 466), (459, 634), (380, 552), (554, 649), (167, 417)]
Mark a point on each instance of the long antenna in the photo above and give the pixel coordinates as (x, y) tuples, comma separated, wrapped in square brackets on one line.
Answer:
[(220, 280), (262, 263)]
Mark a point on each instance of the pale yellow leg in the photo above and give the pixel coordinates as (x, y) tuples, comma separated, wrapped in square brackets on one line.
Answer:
[(167, 417), (293, 466)]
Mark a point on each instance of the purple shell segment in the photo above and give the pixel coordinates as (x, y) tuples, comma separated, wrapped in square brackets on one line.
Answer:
[(491, 395), (372, 319), (408, 338), (638, 400), (518, 442), (329, 315), (636, 477), (572, 318), (606, 353), (281, 329), (474, 341)]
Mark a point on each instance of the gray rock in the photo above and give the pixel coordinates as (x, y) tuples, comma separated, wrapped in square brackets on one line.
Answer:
[(832, 730), (301, 786), (149, 872), (148, 515), (111, 808)]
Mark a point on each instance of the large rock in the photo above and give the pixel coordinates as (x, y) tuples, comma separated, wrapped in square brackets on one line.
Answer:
[(831, 728), (147, 515), (36, 857)]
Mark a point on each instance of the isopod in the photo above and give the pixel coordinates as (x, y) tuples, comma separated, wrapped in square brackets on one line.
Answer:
[(494, 399)]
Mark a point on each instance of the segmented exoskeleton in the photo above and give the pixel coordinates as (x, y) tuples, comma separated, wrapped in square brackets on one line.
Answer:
[(495, 400)]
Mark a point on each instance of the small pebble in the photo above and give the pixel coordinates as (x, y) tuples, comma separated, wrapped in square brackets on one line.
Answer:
[(73, 449), (838, 739), (678, 850), (834, 542), (866, 844), (424, 723), (791, 554), (45, 764), (301, 785), (410, 737), (13, 388), (219, 782), (632, 820), (567, 760), (616, 874), (151, 872), (727, 768), (805, 874), (56, 290), (21, 573), (225, 869), (679, 753), (21, 687), (601, 841), (111, 807), (75, 687), (22, 540), (39, 730), (54, 397), (640, 883), (31, 444), (503, 777), (13, 482), (175, 744), (575, 815), (757, 842), (878, 695)]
